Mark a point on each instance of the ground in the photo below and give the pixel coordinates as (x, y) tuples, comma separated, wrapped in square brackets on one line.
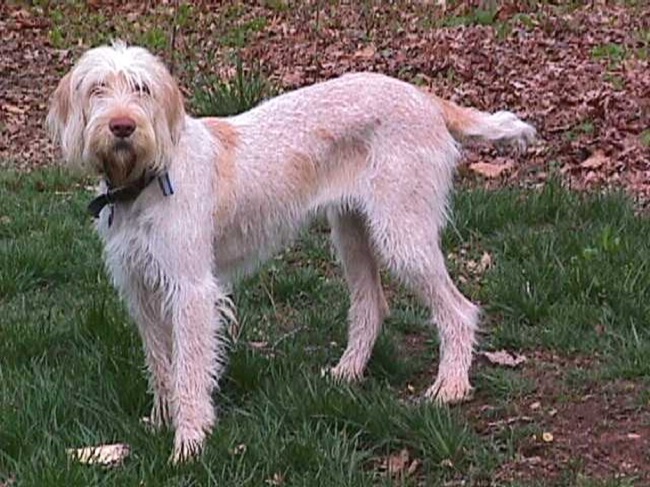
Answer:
[(577, 411)]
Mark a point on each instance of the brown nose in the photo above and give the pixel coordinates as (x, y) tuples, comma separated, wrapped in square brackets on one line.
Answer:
[(122, 126)]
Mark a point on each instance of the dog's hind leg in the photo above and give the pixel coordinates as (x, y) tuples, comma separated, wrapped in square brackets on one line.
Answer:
[(405, 229), (418, 261), (368, 306)]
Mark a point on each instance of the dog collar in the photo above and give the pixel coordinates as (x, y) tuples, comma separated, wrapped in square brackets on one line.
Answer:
[(129, 192)]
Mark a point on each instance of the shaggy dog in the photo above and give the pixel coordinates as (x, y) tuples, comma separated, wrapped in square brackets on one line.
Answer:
[(189, 204)]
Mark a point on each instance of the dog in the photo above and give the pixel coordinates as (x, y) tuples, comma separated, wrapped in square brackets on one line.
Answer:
[(375, 154)]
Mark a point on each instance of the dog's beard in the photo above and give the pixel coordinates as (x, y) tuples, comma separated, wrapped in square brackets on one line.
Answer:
[(120, 161)]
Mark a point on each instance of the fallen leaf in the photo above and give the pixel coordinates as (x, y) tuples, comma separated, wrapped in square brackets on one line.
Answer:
[(485, 263), (504, 358), (293, 79), (489, 169), (240, 449), (596, 160), (367, 52), (397, 463), (535, 405), (633, 436), (111, 455), (511, 420), (277, 479), (413, 467), (532, 460), (13, 109), (8, 482), (447, 463)]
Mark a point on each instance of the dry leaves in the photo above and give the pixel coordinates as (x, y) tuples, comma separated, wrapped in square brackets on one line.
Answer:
[(106, 455), (479, 268), (596, 160), (367, 52), (504, 358), (239, 449), (9, 482), (276, 480), (490, 170), (399, 464), (579, 101)]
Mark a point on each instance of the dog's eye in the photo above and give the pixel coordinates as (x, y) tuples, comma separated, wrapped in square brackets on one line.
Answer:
[(142, 88), (98, 89)]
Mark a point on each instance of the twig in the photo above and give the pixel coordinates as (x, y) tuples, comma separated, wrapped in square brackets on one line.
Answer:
[(172, 40), (287, 335)]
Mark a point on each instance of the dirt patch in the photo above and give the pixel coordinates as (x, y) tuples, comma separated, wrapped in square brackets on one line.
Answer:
[(595, 430)]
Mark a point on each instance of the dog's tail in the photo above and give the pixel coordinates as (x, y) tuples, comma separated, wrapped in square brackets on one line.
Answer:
[(502, 127)]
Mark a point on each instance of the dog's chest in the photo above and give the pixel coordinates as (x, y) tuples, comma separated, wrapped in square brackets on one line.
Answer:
[(248, 238)]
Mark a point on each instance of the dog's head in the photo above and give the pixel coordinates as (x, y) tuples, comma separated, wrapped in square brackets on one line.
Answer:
[(118, 111)]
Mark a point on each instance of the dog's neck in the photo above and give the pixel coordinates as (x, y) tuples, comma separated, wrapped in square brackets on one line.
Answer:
[(130, 192)]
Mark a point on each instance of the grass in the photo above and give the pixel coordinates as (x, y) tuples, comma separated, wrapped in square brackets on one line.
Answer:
[(645, 138), (72, 375), (214, 96), (611, 52)]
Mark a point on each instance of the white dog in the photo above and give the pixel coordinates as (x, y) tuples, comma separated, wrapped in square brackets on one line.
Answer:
[(376, 154)]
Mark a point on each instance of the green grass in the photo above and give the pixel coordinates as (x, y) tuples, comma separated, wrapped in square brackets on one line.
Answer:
[(474, 17), (71, 363), (611, 52), (645, 138), (570, 273), (214, 96)]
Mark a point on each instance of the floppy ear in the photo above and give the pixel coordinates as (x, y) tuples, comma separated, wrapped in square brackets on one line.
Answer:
[(59, 108), (174, 109), (65, 121), (169, 120)]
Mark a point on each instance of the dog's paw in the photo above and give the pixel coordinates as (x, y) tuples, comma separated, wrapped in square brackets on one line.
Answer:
[(451, 390), (343, 372), (187, 447), (159, 417)]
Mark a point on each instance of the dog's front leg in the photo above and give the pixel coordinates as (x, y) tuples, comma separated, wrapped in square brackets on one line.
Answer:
[(197, 361), (155, 330)]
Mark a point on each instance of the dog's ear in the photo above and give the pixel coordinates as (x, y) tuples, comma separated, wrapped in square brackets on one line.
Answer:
[(65, 121), (59, 108), (169, 122), (174, 107)]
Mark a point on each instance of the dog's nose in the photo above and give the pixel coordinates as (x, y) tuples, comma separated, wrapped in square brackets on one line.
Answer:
[(122, 127)]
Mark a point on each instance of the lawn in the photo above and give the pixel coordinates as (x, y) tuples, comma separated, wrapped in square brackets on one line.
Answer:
[(567, 284)]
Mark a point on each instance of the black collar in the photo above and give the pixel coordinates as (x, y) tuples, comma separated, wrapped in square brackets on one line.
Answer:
[(129, 192)]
